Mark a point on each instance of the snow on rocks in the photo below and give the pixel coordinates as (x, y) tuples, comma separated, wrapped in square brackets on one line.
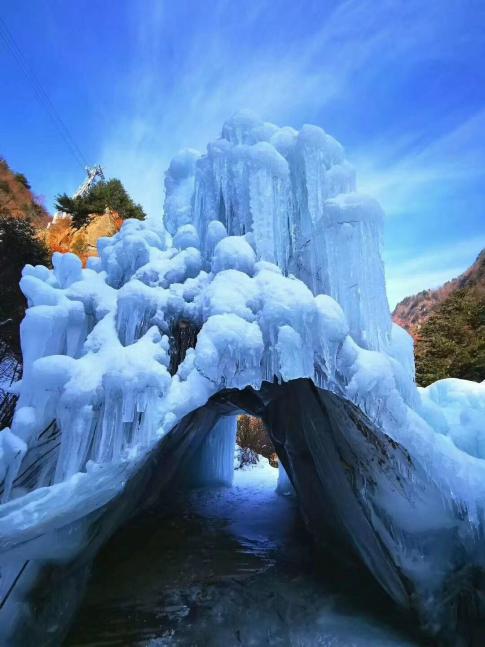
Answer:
[(245, 457)]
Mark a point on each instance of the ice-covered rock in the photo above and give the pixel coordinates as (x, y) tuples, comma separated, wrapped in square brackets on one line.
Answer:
[(270, 299)]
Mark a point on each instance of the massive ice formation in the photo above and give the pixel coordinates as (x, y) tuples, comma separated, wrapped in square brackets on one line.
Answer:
[(270, 298), (292, 194)]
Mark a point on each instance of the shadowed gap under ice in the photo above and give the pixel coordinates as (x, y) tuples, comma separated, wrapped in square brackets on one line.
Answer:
[(229, 565)]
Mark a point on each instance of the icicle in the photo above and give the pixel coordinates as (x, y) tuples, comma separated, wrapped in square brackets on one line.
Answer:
[(213, 463)]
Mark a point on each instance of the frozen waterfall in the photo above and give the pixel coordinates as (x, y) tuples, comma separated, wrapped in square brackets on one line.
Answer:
[(268, 298)]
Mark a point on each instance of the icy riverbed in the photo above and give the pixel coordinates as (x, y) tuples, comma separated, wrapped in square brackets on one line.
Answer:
[(228, 566)]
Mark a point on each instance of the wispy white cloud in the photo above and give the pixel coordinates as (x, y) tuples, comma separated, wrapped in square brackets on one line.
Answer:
[(457, 155), (192, 69), (182, 97)]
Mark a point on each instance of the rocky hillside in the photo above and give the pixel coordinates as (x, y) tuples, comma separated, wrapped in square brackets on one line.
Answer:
[(100, 213), (448, 326), (62, 236), (412, 312), (17, 199)]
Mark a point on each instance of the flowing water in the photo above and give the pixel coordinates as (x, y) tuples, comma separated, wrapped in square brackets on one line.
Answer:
[(228, 566)]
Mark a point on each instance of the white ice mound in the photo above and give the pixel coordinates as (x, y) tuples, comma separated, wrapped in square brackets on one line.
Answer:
[(274, 273)]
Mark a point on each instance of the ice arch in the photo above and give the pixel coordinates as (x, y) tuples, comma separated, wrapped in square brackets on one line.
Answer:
[(268, 296)]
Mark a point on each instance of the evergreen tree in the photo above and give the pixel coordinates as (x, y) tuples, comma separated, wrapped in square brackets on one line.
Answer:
[(19, 245), (452, 341), (78, 208), (104, 195)]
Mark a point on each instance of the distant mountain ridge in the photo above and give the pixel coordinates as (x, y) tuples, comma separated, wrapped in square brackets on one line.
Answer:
[(413, 311)]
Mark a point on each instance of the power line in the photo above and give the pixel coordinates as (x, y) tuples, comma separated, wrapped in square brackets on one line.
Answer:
[(40, 93)]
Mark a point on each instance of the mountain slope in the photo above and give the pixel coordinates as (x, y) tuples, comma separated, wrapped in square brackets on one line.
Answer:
[(17, 199), (413, 311), (448, 326)]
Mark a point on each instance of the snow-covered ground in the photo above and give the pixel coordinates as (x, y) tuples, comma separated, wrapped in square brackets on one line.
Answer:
[(229, 566)]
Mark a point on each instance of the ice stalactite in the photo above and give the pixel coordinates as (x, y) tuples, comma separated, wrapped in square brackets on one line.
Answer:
[(284, 484), (213, 462)]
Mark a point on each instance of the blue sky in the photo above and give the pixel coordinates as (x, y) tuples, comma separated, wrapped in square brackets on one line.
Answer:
[(400, 83)]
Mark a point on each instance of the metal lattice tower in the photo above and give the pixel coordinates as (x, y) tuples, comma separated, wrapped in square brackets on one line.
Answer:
[(94, 173)]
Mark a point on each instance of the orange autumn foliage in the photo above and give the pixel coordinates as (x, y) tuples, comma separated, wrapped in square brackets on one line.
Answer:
[(60, 236)]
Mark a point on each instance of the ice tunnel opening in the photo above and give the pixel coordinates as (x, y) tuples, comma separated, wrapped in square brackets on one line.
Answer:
[(322, 469), (198, 531), (236, 442), (319, 465), (325, 475)]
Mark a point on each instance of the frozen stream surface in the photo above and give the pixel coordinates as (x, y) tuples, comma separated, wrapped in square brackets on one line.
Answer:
[(228, 566)]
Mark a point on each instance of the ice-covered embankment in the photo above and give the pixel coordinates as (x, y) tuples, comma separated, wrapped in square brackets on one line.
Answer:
[(270, 298)]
